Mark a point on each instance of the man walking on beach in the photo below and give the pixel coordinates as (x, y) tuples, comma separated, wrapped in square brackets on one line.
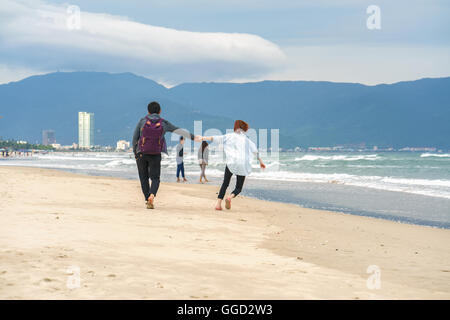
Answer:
[(180, 162), (148, 144)]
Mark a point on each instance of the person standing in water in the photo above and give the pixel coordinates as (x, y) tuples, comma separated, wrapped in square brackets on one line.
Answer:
[(180, 162), (239, 152), (203, 154)]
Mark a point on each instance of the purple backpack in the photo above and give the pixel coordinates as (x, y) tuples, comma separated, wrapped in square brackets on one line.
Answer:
[(152, 139)]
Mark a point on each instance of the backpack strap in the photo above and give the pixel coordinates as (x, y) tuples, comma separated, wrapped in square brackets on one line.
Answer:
[(151, 120)]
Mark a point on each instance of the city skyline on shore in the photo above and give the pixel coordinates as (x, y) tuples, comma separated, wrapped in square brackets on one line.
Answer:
[(308, 118)]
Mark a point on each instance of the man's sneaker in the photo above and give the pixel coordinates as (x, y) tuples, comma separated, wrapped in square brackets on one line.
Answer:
[(150, 203)]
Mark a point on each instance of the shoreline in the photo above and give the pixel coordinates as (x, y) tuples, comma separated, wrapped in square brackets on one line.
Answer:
[(252, 189), (184, 249)]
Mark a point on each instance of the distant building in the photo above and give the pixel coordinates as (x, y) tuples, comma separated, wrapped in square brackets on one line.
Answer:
[(320, 148), (85, 130), (123, 145), (424, 149), (48, 137)]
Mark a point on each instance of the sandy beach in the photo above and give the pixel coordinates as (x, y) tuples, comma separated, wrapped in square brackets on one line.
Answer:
[(53, 223)]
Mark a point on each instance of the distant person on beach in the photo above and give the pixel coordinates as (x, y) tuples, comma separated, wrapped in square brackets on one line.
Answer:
[(148, 144), (179, 158), (203, 154), (239, 152)]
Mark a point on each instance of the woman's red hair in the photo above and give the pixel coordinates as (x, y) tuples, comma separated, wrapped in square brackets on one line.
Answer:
[(240, 124)]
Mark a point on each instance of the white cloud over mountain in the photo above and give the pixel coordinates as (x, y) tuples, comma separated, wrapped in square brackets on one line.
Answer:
[(35, 34)]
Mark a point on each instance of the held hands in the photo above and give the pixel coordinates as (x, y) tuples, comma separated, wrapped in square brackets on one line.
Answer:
[(198, 138), (262, 165)]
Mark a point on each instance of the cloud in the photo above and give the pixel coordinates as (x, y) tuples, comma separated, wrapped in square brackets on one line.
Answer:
[(369, 65), (8, 74), (35, 35)]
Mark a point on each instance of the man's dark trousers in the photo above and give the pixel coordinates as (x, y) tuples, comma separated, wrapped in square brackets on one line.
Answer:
[(149, 167)]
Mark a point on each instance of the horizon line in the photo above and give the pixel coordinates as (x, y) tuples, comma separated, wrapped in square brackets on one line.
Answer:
[(168, 86)]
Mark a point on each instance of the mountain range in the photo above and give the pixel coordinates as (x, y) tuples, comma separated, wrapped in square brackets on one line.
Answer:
[(307, 113)]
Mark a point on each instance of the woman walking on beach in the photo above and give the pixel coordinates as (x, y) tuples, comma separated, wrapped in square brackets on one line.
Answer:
[(203, 154), (239, 152)]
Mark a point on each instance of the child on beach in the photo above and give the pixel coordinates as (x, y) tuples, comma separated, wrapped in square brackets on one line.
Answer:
[(239, 152), (203, 154), (148, 144), (179, 158)]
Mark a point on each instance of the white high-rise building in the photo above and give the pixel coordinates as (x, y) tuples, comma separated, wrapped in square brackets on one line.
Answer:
[(85, 129)]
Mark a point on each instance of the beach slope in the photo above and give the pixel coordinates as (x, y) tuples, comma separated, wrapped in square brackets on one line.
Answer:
[(68, 236)]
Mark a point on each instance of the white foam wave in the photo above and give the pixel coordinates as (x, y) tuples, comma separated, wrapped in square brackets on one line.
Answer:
[(118, 163), (428, 187), (310, 157), (437, 155)]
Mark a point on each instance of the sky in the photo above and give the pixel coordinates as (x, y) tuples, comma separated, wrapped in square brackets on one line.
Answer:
[(176, 41)]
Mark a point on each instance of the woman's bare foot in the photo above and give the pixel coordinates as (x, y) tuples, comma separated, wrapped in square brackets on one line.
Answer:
[(228, 203), (184, 180), (178, 179), (206, 180), (219, 205), (150, 201)]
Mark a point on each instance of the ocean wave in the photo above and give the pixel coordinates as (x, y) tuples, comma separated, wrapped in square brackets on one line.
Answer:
[(118, 163), (437, 155), (310, 157), (277, 170), (82, 156), (428, 187)]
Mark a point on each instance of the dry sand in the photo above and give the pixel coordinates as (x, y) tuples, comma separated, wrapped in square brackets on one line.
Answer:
[(52, 223)]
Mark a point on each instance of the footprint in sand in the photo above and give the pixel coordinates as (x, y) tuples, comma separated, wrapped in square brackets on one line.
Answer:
[(112, 275)]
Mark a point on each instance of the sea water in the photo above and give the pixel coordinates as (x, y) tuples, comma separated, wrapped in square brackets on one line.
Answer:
[(401, 186)]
